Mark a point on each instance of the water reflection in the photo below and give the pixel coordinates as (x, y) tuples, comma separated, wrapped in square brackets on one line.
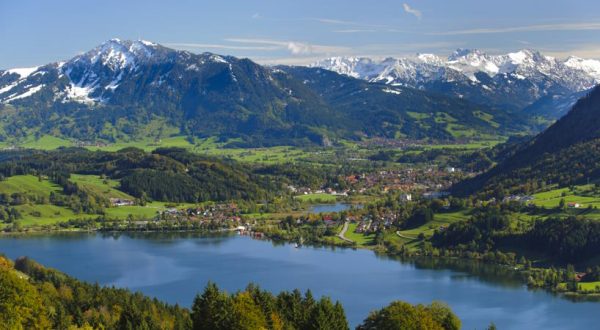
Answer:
[(175, 266)]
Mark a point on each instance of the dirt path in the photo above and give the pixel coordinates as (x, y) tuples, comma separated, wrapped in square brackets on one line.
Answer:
[(341, 234), (398, 233)]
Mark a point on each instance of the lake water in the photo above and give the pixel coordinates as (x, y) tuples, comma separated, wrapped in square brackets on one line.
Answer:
[(174, 266), (334, 207)]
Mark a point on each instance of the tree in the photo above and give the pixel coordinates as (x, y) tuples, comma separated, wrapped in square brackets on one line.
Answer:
[(21, 306), (247, 315), (211, 310), (326, 315), (404, 316)]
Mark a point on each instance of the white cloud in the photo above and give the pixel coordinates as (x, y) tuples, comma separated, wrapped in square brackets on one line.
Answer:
[(294, 47), (298, 48), (528, 28), (412, 11), (256, 16)]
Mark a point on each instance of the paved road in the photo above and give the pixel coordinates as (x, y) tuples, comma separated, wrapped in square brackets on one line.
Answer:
[(341, 234)]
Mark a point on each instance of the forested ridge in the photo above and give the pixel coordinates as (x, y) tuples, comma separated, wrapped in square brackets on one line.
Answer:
[(173, 175), (567, 153)]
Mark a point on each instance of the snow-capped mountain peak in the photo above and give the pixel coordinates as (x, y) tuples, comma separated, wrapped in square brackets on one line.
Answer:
[(526, 73), (98, 75), (591, 67), (118, 54)]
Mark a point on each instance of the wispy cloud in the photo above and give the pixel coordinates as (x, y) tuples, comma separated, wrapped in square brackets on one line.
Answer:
[(294, 47), (218, 46), (355, 26), (412, 11), (355, 31), (527, 28)]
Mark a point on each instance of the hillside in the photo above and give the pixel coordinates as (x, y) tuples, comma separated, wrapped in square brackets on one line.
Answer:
[(396, 111), (137, 90), (170, 175), (566, 153)]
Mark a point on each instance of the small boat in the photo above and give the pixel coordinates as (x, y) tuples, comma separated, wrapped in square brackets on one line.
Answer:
[(298, 244)]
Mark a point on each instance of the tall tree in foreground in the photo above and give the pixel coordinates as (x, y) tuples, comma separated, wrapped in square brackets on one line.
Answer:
[(404, 316)]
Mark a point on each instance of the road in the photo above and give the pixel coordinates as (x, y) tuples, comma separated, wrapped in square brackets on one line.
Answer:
[(398, 233), (341, 234)]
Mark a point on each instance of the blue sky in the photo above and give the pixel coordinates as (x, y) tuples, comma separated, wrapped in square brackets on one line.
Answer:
[(299, 31)]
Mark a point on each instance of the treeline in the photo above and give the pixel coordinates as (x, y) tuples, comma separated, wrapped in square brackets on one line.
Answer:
[(476, 234), (566, 240), (571, 239), (257, 309), (34, 297)]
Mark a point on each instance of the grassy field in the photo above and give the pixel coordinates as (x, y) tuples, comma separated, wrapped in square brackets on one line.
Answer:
[(46, 214), (583, 195), (98, 186), (46, 142), (588, 286), (143, 212), (28, 184), (359, 238), (313, 198), (147, 144), (439, 219)]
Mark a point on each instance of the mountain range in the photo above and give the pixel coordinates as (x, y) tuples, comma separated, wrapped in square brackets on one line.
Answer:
[(127, 90), (525, 80)]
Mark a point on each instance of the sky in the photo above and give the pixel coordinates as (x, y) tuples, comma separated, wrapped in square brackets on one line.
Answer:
[(299, 31)]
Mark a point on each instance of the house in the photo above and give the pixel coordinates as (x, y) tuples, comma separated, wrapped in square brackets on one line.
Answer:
[(406, 197), (121, 202), (573, 205), (435, 194)]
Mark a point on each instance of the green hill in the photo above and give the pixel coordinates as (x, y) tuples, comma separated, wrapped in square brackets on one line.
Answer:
[(567, 153)]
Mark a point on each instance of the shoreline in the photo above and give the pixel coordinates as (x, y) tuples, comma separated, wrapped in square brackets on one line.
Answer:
[(517, 271)]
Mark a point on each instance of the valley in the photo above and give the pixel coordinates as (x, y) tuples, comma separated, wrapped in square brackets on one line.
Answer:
[(267, 166)]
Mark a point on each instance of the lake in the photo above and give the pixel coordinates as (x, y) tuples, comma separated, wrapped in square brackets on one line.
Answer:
[(334, 207), (174, 266)]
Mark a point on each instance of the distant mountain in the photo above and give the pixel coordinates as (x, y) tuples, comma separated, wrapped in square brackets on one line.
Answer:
[(123, 90), (512, 81), (568, 152)]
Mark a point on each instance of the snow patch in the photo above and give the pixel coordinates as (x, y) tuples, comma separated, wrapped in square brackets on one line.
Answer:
[(391, 91), (9, 87), (218, 59), (80, 94), (148, 43), (28, 93), (23, 72)]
